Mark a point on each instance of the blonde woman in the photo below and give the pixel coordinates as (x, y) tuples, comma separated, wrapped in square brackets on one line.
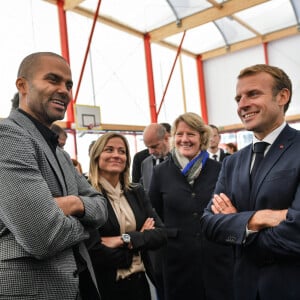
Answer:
[(120, 256), (181, 188)]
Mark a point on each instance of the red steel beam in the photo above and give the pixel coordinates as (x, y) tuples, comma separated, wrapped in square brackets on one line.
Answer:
[(87, 49), (65, 52), (266, 53), (173, 67), (202, 92), (149, 69)]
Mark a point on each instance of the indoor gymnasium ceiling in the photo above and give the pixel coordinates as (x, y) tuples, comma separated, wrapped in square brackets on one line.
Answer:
[(208, 28)]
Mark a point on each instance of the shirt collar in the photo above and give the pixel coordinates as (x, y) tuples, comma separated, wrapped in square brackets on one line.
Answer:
[(50, 136), (271, 137), (211, 155)]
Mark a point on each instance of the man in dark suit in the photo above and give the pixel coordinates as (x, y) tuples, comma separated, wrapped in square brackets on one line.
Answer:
[(46, 207), (138, 158), (260, 214), (213, 150)]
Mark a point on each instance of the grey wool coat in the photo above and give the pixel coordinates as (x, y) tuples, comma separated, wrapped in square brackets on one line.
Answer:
[(36, 238)]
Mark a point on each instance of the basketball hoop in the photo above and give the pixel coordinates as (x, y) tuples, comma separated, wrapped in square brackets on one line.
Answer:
[(87, 117)]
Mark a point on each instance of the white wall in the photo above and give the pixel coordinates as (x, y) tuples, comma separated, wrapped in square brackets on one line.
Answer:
[(285, 54), (114, 77), (221, 73), (25, 26), (220, 79)]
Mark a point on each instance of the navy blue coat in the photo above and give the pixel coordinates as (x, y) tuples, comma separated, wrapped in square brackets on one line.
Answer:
[(194, 268), (268, 262)]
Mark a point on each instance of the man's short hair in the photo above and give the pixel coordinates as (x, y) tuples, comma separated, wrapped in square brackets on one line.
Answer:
[(58, 130)]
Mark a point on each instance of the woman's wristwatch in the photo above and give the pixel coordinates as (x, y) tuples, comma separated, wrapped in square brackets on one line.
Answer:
[(126, 239)]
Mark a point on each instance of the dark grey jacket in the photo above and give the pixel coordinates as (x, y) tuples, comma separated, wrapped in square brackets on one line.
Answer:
[(36, 238)]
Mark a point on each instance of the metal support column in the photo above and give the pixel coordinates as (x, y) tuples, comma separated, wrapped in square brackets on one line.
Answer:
[(151, 90), (65, 51), (172, 70), (87, 49), (202, 92), (265, 45)]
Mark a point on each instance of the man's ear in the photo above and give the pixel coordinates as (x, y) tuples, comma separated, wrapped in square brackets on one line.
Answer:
[(21, 85), (284, 96)]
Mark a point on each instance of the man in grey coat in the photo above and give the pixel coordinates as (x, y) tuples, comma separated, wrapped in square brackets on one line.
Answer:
[(46, 207), (156, 139)]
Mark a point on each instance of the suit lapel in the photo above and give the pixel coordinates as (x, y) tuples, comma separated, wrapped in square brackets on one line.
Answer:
[(147, 170), (112, 218), (222, 154), (134, 202), (113, 222), (65, 169), (278, 148), (26, 123)]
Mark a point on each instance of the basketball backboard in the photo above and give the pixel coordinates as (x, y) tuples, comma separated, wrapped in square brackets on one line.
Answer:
[(87, 117)]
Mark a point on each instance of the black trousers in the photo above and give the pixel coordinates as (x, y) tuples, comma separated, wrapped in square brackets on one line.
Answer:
[(134, 287)]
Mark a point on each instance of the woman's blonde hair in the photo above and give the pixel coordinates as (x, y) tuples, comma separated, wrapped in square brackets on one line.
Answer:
[(196, 123), (97, 149)]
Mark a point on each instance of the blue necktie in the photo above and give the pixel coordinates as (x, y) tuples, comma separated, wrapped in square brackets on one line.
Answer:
[(259, 149)]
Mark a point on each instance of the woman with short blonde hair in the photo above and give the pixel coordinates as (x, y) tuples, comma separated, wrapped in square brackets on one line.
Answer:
[(180, 189)]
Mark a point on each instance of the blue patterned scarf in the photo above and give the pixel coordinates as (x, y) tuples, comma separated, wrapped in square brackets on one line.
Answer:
[(190, 168)]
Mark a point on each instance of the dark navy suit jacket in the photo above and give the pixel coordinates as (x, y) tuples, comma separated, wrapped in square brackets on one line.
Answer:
[(267, 262)]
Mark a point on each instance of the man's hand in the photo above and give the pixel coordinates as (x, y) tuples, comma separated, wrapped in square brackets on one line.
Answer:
[(112, 241), (222, 205), (70, 205), (266, 218)]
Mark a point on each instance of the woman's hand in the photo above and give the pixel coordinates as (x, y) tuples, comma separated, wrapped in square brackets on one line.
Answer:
[(116, 241), (149, 224), (222, 205)]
